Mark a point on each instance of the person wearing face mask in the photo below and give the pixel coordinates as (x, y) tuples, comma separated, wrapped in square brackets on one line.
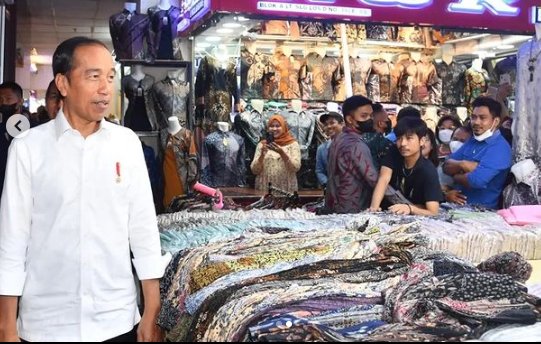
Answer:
[(480, 168), (460, 137), (375, 139), (444, 133), (334, 125), (352, 173), (11, 103), (278, 158)]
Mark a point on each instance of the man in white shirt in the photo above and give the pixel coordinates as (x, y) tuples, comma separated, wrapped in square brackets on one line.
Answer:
[(77, 200)]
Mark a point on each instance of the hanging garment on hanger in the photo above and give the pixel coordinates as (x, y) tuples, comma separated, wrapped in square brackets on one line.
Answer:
[(527, 121), (476, 84), (180, 164), (169, 98), (252, 71), (223, 160), (302, 127), (250, 125), (162, 32), (215, 88), (139, 115), (128, 32), (416, 81), (453, 82), (286, 76), (411, 35), (360, 72), (383, 81), (381, 32), (319, 77)]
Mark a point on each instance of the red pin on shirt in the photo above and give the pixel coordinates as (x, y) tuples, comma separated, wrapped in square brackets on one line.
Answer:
[(118, 173)]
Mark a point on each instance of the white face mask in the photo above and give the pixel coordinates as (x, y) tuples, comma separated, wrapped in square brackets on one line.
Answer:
[(486, 135), (455, 146), (445, 136)]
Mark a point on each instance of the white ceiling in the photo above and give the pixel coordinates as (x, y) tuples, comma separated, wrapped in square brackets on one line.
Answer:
[(44, 24)]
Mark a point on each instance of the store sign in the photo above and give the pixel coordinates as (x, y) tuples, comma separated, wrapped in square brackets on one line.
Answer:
[(502, 15), (192, 11), (537, 15)]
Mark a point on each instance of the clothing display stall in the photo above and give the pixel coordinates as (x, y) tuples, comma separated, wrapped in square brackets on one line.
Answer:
[(293, 276)]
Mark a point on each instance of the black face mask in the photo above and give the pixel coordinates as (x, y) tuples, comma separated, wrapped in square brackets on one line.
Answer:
[(8, 110), (366, 126), (389, 128)]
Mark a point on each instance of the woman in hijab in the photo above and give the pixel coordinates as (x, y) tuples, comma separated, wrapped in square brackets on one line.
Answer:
[(277, 159)]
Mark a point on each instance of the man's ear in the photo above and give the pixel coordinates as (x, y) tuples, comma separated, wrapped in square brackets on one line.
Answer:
[(62, 84)]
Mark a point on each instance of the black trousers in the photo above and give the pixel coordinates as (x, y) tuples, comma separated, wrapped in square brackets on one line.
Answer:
[(130, 337)]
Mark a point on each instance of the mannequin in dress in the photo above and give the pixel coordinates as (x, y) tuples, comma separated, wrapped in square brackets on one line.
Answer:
[(416, 56), (258, 105), (223, 127), (296, 105), (174, 126), (138, 73)]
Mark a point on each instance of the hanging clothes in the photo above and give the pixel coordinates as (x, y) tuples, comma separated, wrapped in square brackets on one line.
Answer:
[(250, 125), (476, 85), (252, 70), (286, 71), (180, 165), (139, 107), (360, 72), (527, 122), (302, 126), (223, 160), (162, 32), (128, 32), (453, 82), (383, 81), (169, 98), (319, 77), (215, 88), (417, 82)]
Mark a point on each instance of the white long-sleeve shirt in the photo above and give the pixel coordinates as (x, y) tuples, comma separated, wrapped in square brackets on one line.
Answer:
[(71, 212)]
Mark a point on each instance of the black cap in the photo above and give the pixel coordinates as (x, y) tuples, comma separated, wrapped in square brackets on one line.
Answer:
[(330, 115)]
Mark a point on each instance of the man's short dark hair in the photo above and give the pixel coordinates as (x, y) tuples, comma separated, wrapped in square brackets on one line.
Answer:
[(52, 86), (409, 112), (63, 56), (493, 106), (14, 87), (411, 126), (377, 108), (353, 103)]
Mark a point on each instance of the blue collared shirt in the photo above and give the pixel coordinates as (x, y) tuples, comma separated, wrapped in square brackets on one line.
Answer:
[(321, 162), (495, 159)]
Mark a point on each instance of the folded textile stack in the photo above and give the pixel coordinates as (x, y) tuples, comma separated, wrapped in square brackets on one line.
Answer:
[(522, 215), (333, 278)]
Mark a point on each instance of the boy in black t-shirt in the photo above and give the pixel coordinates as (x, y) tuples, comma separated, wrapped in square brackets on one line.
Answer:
[(406, 170)]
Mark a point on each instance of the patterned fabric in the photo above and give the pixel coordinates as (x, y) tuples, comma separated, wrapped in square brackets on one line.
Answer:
[(381, 32), (509, 263), (417, 82), (128, 31), (252, 72), (352, 174), (287, 75), (527, 123), (215, 87), (384, 81), (476, 84), (169, 98), (312, 29), (274, 170), (140, 106), (162, 32), (222, 162), (411, 35), (302, 127), (360, 71), (379, 147), (319, 77), (453, 82), (250, 125)]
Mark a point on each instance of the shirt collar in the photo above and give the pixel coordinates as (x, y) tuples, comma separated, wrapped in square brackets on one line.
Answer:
[(62, 125)]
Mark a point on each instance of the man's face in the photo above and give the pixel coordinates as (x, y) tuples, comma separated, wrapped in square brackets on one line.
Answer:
[(381, 121), (482, 121), (8, 97), (53, 103), (362, 114), (88, 89), (333, 127), (410, 145)]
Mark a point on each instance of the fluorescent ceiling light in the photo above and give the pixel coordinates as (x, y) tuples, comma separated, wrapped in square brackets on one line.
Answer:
[(213, 39), (204, 45), (225, 31), (505, 47), (232, 25)]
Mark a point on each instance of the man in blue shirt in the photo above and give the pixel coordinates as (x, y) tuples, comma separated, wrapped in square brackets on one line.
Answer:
[(481, 166), (334, 124)]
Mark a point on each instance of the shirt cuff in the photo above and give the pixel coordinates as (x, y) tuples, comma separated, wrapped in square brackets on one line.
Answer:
[(153, 267), (12, 283)]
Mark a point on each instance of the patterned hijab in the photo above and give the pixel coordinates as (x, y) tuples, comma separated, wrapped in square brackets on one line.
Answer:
[(285, 139)]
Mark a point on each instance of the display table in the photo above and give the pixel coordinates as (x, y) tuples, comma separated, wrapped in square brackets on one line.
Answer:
[(246, 196)]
